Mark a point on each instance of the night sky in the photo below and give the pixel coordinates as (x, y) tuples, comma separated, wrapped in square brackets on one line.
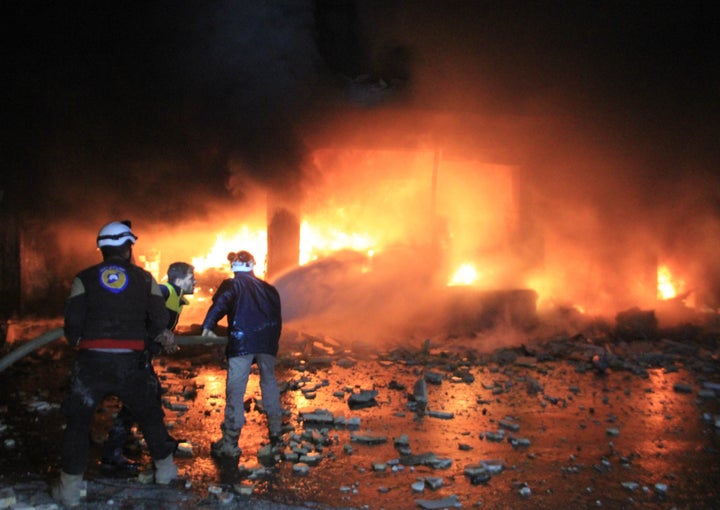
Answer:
[(111, 105)]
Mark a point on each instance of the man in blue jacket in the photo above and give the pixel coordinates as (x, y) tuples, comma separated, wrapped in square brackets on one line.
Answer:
[(252, 307)]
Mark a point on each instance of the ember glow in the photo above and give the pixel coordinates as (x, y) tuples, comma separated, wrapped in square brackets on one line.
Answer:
[(465, 275), (669, 286)]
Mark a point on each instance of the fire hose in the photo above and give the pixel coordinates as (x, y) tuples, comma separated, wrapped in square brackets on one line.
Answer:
[(57, 333)]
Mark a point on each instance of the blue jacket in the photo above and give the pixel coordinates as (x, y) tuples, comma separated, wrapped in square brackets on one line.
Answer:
[(252, 307)]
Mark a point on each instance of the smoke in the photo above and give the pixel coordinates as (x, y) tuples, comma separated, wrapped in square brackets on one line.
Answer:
[(598, 126)]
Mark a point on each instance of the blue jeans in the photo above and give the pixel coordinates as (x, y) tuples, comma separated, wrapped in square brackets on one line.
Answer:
[(237, 378)]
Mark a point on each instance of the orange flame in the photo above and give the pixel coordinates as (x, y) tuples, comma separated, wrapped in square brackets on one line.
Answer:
[(465, 275), (668, 285), (254, 241)]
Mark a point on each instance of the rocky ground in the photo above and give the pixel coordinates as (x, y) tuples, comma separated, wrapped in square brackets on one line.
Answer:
[(596, 417)]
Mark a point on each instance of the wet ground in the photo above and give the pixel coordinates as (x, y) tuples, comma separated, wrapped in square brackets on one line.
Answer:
[(588, 420)]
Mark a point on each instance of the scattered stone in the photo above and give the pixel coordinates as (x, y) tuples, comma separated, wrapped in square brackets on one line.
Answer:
[(244, 488), (443, 415), (519, 442), (401, 441), (494, 467), (435, 378), (418, 486), (367, 439), (225, 498), (301, 469), (420, 394), (661, 488), (526, 361), (682, 388), (612, 431), (362, 399), (708, 385), (320, 416), (631, 486), (434, 482), (451, 501), (495, 437), (510, 425), (184, 449)]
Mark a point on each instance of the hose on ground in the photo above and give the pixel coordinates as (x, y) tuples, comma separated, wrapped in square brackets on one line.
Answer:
[(51, 336)]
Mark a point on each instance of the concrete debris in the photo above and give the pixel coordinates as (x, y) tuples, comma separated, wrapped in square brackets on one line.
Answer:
[(508, 424), (367, 439), (184, 449), (434, 482), (510, 380), (631, 486), (682, 388), (301, 469), (451, 501), (443, 415), (418, 486), (612, 431), (362, 399)]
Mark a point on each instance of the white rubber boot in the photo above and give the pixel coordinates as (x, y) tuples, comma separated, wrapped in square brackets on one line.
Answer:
[(165, 470), (67, 489)]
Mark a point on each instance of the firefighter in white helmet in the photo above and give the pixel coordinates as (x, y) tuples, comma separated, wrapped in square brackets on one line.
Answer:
[(180, 282), (113, 307)]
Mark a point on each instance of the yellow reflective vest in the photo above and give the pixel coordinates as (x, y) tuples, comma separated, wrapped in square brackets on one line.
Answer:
[(174, 303)]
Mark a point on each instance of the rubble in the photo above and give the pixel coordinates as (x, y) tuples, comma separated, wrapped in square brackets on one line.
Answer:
[(528, 405)]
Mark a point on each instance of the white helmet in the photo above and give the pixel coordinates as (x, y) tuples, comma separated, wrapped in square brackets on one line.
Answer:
[(241, 262), (115, 233)]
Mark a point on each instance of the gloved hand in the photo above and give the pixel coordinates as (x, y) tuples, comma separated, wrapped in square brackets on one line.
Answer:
[(208, 332), (167, 340)]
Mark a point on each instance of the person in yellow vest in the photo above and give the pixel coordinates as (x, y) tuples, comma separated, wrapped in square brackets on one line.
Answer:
[(180, 282)]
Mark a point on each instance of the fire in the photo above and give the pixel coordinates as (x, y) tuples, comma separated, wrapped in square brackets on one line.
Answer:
[(465, 275), (254, 241), (668, 286), (317, 241)]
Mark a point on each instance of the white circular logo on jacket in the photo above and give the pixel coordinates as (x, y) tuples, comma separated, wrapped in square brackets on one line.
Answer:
[(114, 279)]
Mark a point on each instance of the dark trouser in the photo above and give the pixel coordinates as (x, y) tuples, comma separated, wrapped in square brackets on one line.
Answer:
[(124, 421), (97, 375)]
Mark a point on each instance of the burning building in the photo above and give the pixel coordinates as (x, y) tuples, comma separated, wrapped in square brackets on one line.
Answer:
[(396, 165)]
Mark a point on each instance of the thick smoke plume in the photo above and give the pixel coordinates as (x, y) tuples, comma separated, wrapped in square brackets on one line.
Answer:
[(597, 124)]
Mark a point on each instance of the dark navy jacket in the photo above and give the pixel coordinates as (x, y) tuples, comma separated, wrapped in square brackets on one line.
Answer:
[(252, 307)]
